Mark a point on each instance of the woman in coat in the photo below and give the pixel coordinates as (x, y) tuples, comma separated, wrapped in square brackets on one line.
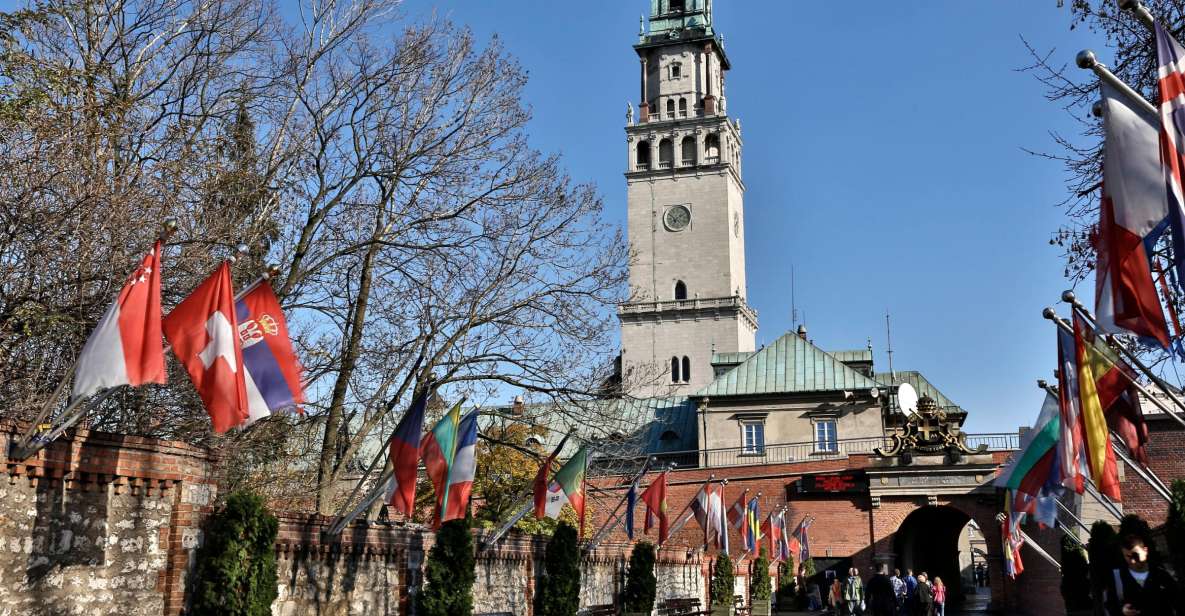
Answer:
[(853, 592)]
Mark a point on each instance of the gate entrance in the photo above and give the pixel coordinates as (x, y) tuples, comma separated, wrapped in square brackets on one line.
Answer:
[(936, 540)]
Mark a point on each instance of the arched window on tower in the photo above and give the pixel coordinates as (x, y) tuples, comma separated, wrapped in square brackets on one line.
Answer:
[(682, 108), (670, 108), (666, 154), (674, 369), (688, 151), (643, 162), (680, 290), (712, 149), (686, 369)]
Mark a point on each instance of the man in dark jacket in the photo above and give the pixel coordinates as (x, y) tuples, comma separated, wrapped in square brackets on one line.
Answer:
[(1139, 589), (879, 595), (923, 597)]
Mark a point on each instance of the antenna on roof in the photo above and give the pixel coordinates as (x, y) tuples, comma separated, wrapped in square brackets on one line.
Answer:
[(793, 303), (889, 343)]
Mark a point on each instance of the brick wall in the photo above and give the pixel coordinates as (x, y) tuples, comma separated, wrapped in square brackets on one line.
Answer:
[(1166, 457), (100, 524)]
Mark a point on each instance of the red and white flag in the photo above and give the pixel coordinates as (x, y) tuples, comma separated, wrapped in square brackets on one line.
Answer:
[(1171, 74), (203, 330), (1134, 208), (125, 348)]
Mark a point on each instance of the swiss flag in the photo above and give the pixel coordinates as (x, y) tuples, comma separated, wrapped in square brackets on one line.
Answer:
[(203, 331), (125, 347)]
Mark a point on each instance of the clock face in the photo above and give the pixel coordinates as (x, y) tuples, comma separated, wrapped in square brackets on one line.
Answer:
[(677, 218)]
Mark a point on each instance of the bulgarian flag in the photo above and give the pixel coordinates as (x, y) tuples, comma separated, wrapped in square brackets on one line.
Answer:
[(570, 478), (447, 452), (1030, 469), (125, 348)]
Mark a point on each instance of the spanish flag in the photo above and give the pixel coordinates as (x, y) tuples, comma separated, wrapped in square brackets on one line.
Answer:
[(1100, 384)]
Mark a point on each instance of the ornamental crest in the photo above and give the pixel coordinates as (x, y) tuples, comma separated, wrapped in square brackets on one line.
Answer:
[(252, 331), (927, 431)]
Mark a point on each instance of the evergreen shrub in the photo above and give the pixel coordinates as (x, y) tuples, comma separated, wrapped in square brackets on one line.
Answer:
[(641, 585), (723, 586), (450, 572), (559, 587), (236, 564), (759, 583)]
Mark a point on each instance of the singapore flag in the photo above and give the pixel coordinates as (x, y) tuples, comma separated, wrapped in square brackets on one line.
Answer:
[(203, 331), (125, 348)]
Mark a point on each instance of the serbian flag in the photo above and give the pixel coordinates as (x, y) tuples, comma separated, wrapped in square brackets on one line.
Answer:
[(570, 478), (1100, 384), (202, 330), (272, 370), (447, 452), (126, 348), (404, 456), (655, 498), (1131, 219), (1172, 136), (543, 482)]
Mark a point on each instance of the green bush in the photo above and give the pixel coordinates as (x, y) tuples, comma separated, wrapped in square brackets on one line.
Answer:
[(640, 583), (759, 583), (1075, 585), (1174, 529), (449, 573), (786, 589), (559, 587), (722, 588), (236, 565)]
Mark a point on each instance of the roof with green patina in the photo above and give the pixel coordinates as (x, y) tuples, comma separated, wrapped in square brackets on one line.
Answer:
[(920, 384), (789, 365), (856, 355)]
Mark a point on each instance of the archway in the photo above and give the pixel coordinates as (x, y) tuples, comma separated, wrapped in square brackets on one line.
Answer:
[(931, 539)]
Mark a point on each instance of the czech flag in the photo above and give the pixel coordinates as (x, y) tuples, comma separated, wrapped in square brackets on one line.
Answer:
[(405, 450), (272, 370)]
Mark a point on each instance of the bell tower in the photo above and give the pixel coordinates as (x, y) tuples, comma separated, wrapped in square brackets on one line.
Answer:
[(686, 219)]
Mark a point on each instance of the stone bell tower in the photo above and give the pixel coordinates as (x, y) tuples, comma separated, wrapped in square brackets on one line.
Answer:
[(686, 219)]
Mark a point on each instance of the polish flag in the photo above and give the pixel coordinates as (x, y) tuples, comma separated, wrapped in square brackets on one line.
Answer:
[(125, 348), (1132, 217), (203, 331)]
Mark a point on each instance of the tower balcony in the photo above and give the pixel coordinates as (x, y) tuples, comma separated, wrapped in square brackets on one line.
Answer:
[(697, 308)]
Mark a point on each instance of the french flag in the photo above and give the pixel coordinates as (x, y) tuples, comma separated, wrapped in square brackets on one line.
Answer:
[(405, 456), (125, 348), (1133, 215), (462, 470), (272, 370)]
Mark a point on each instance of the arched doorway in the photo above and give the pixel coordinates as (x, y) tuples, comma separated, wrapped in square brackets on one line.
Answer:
[(932, 539)]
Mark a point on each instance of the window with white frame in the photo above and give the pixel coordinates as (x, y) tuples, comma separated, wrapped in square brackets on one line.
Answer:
[(753, 437), (825, 435)]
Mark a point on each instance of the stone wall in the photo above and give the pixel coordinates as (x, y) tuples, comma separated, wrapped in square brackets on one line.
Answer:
[(100, 524)]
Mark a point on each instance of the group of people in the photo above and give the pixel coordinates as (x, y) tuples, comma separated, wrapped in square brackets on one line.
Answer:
[(884, 595)]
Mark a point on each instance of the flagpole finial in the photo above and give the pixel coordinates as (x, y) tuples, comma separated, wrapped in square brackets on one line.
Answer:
[(1096, 109), (1086, 59), (1042, 383), (272, 271), (1069, 297), (168, 228), (1049, 313), (1128, 5)]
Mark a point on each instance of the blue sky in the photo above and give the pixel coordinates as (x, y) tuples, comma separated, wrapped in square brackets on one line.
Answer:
[(883, 159)]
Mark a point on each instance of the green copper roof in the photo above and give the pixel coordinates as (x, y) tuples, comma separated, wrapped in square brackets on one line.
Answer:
[(789, 365), (920, 384), (857, 355)]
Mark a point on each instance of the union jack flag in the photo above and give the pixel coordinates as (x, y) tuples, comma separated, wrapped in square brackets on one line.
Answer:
[(1171, 74)]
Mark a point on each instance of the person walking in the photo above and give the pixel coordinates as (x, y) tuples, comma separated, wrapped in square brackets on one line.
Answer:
[(853, 592), (923, 597), (835, 596), (880, 594), (939, 597), (1139, 588), (911, 589), (898, 591)]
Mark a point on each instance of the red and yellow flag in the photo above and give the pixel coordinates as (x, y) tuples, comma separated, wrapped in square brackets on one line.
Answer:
[(1100, 383)]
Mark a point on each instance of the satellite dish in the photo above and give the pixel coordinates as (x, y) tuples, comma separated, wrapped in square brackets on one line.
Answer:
[(907, 398)]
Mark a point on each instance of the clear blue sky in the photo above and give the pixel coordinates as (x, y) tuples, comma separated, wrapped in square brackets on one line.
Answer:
[(882, 158)]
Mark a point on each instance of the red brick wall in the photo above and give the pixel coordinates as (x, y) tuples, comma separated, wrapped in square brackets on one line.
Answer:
[(1166, 457)]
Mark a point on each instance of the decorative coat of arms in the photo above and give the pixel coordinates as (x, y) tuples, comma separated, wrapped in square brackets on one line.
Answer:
[(927, 431)]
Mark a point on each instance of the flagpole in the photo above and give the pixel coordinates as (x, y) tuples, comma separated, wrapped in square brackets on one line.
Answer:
[(1033, 544), (530, 505), (1141, 12), (687, 515), (1077, 520), (1087, 60), (75, 410), (1070, 298), (613, 519)]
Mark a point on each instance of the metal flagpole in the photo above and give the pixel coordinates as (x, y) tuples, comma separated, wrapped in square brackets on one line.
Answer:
[(1077, 520), (1140, 11), (614, 518), (1070, 298), (1068, 532), (685, 514), (1033, 544), (1087, 60), (30, 443)]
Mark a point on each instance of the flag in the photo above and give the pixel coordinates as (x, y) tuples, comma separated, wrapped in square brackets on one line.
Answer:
[(125, 348), (717, 529), (543, 483), (655, 498), (1131, 216), (704, 508), (1172, 123), (631, 501), (1126, 421), (448, 447), (554, 501), (1099, 385), (404, 456), (1071, 461), (774, 528), (783, 551), (271, 369), (736, 513), (571, 480), (1033, 465), (752, 528), (1011, 540), (804, 548), (202, 330)]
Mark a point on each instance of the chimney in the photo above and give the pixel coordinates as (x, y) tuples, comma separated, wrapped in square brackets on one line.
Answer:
[(802, 331), (517, 408)]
